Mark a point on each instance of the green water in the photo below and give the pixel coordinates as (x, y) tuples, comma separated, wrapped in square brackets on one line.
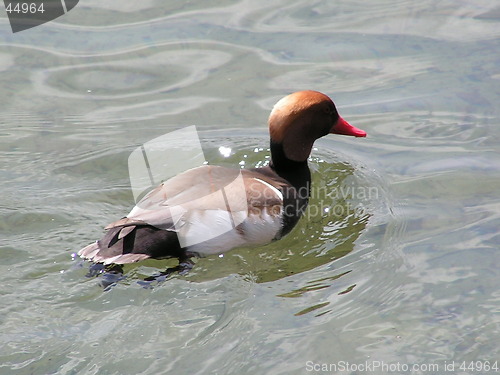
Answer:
[(396, 261)]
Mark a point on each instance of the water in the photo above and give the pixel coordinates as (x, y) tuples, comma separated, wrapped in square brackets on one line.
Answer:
[(407, 274)]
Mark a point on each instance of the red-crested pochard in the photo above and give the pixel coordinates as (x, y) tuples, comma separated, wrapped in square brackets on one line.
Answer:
[(203, 211)]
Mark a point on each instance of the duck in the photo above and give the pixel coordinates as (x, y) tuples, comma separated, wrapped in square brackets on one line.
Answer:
[(209, 210)]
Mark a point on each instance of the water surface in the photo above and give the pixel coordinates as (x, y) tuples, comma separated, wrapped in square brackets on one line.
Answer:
[(405, 274)]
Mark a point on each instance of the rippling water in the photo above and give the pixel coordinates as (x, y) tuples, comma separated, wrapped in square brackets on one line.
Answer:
[(397, 259)]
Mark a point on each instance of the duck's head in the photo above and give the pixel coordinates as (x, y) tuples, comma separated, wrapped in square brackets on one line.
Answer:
[(298, 119)]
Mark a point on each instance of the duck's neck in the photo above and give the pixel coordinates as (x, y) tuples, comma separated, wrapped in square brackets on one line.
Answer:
[(295, 172)]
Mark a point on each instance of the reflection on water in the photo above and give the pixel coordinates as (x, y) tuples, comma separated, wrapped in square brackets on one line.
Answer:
[(398, 265), (327, 231)]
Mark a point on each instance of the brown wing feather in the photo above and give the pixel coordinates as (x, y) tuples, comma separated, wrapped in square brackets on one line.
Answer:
[(204, 188)]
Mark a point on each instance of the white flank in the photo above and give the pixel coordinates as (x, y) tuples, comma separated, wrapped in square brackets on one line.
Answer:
[(255, 230)]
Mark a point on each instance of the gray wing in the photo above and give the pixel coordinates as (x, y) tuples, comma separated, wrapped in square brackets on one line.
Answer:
[(205, 188)]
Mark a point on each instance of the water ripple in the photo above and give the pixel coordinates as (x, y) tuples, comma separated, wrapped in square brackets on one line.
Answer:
[(126, 77)]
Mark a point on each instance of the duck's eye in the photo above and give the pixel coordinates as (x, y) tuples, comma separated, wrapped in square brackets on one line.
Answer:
[(328, 110)]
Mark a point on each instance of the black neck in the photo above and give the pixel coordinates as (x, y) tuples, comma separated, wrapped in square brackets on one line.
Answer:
[(295, 172), (298, 175)]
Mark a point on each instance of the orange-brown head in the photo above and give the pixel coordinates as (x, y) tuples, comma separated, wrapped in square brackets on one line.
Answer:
[(298, 119)]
